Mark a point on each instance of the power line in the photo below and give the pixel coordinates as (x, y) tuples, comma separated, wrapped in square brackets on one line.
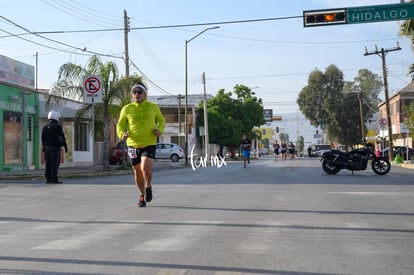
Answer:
[(177, 26), (98, 15), (163, 91), (83, 14), (207, 24), (54, 41)]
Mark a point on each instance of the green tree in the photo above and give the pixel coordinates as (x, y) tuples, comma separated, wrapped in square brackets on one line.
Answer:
[(409, 118), (230, 118), (70, 85), (363, 92), (332, 104), (320, 96), (251, 108), (407, 29)]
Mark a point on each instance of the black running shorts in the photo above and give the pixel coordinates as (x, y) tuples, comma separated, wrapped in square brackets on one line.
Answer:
[(135, 154)]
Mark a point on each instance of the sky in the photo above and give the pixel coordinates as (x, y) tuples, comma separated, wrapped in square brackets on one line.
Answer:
[(261, 44)]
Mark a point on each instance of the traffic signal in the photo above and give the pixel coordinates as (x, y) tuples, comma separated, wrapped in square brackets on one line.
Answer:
[(324, 17), (277, 129)]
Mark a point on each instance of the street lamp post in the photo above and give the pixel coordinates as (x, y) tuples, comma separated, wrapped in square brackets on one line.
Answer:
[(186, 91), (206, 139)]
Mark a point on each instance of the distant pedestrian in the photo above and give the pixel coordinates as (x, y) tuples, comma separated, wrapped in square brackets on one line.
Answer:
[(53, 139), (378, 149), (245, 146), (292, 150), (276, 148), (283, 149), (140, 124)]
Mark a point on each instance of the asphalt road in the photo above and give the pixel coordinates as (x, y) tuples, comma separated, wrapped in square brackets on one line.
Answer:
[(269, 218)]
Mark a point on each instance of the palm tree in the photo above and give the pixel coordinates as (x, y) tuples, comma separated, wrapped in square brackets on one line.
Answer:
[(70, 85), (256, 136)]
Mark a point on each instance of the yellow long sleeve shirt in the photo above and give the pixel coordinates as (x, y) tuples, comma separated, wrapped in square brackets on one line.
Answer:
[(140, 120)]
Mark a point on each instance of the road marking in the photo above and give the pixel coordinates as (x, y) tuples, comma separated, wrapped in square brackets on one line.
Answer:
[(61, 245), (181, 240), (76, 242), (172, 272), (167, 244), (185, 271), (366, 193)]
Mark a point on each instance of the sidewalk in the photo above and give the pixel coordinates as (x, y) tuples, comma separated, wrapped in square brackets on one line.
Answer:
[(407, 165), (87, 171)]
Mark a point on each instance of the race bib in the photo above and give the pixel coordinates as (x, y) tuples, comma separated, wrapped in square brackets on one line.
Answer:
[(132, 152)]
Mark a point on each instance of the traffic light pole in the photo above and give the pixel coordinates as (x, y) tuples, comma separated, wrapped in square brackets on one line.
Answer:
[(382, 54)]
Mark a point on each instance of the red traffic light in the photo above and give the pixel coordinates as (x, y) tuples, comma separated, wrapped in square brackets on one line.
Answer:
[(324, 17)]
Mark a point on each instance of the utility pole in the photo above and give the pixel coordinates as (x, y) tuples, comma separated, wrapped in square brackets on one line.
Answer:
[(361, 116), (206, 138), (126, 31), (382, 53), (179, 118)]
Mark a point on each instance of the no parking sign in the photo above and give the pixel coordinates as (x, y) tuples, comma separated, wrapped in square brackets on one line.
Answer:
[(92, 89), (382, 122)]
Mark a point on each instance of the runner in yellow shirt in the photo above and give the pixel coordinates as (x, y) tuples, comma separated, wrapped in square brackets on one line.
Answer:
[(140, 124)]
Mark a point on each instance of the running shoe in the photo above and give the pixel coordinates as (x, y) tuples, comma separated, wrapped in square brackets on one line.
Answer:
[(148, 194), (141, 202)]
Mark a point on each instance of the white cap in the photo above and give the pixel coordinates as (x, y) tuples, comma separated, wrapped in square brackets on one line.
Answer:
[(53, 115)]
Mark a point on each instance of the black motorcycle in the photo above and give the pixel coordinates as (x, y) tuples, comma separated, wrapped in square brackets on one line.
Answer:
[(334, 160)]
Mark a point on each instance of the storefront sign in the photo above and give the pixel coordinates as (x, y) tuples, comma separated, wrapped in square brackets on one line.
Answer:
[(16, 73)]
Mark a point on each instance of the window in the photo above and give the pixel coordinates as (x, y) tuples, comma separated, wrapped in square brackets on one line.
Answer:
[(81, 136), (29, 128), (12, 141)]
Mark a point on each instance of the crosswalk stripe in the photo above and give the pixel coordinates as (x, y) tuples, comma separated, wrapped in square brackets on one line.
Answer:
[(172, 272), (181, 240), (76, 242)]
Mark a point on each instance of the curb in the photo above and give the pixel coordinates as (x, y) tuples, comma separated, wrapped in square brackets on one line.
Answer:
[(407, 165), (78, 172)]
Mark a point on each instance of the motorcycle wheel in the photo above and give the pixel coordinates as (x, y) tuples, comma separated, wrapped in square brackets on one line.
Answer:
[(330, 168), (381, 166)]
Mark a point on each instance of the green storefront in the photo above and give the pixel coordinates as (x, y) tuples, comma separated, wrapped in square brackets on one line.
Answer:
[(19, 131)]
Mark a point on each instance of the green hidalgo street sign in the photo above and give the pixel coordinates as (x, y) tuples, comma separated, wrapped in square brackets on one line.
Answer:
[(380, 13), (356, 15)]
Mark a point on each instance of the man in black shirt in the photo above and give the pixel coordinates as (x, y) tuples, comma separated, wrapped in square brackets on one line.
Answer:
[(53, 139)]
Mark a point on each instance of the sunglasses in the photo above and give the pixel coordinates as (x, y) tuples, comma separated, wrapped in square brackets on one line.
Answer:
[(140, 92)]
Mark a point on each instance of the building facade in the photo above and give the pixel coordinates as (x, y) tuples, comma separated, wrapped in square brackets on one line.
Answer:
[(19, 135), (23, 113), (400, 133)]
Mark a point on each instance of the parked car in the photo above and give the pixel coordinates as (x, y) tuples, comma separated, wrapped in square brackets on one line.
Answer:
[(319, 153), (171, 151), (119, 153), (401, 150)]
